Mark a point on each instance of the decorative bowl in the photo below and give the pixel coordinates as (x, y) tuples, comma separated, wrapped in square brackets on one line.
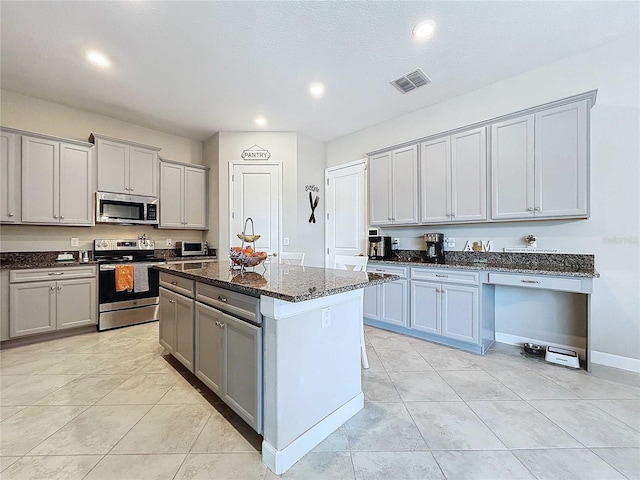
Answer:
[(242, 259), (248, 238)]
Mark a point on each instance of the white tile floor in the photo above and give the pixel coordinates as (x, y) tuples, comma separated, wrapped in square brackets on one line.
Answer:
[(109, 406)]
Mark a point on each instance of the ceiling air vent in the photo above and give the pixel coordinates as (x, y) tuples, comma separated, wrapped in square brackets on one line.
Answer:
[(411, 81)]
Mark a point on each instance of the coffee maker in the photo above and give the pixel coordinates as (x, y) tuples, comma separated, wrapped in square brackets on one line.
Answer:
[(379, 247), (435, 247)]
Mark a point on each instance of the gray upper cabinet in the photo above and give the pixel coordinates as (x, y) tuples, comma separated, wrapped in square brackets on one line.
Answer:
[(512, 168), (126, 167), (9, 177), (539, 164), (453, 173), (183, 196), (393, 180), (57, 182), (561, 162)]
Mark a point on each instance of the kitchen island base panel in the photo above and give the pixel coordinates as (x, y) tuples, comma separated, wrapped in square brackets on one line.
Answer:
[(312, 373), (279, 461)]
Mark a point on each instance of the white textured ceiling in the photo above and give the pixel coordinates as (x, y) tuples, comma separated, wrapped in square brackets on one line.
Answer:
[(196, 68)]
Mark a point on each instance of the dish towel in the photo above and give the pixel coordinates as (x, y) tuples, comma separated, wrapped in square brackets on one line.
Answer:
[(124, 278), (140, 277)]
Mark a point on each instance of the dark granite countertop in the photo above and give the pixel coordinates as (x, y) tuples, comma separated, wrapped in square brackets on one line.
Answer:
[(27, 260), (567, 265), (286, 282)]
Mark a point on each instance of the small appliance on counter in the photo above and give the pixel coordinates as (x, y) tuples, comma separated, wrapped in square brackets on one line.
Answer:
[(191, 248), (379, 245), (435, 247)]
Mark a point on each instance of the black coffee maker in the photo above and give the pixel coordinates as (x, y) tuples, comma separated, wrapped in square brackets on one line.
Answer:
[(435, 247)]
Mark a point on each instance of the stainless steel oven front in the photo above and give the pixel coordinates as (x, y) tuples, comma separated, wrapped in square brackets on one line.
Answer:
[(119, 309)]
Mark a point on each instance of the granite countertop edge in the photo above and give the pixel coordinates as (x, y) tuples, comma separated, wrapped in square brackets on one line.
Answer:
[(35, 265), (492, 268), (374, 279)]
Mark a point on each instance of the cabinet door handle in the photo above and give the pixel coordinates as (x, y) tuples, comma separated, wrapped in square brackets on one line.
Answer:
[(453, 214), (59, 287), (55, 273), (221, 325), (55, 216), (223, 299), (61, 216), (53, 288), (529, 281), (538, 209), (442, 276), (11, 214), (174, 283)]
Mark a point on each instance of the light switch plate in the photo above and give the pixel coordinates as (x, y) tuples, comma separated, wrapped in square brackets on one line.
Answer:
[(75, 242), (285, 241), (326, 318), (169, 242)]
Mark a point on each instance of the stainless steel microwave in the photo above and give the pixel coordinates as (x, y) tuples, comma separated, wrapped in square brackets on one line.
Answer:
[(187, 248), (126, 209)]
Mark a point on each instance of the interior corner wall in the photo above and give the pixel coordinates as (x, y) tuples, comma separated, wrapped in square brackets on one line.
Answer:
[(49, 118), (210, 158), (612, 232), (283, 149), (311, 158)]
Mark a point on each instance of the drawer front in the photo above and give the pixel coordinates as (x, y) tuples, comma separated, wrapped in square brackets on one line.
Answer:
[(445, 276), (39, 274), (537, 281), (238, 304), (402, 271), (181, 285)]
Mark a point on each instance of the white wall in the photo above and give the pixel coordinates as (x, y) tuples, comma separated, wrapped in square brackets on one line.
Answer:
[(613, 231), (311, 154), (40, 116)]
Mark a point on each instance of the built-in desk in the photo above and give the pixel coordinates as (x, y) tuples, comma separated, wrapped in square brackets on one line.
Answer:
[(455, 303)]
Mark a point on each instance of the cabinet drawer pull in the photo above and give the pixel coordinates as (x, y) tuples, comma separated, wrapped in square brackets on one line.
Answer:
[(529, 281), (441, 276), (174, 283), (55, 273), (223, 299)]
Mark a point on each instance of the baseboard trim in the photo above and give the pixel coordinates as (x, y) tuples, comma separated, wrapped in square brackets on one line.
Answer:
[(616, 361)]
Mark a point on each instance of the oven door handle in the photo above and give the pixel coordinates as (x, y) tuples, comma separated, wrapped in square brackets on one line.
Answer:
[(106, 268)]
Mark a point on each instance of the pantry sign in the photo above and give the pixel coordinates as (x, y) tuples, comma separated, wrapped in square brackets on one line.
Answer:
[(255, 153)]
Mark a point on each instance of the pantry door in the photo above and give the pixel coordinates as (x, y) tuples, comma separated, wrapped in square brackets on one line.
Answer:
[(346, 210), (255, 191)]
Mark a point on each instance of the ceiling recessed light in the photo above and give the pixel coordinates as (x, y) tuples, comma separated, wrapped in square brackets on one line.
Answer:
[(260, 120), (424, 30), (98, 59), (316, 90)]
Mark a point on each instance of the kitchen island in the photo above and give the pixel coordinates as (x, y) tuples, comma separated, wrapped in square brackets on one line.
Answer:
[(300, 328)]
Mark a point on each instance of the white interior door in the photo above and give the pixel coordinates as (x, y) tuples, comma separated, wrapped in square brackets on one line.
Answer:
[(345, 232), (255, 192)]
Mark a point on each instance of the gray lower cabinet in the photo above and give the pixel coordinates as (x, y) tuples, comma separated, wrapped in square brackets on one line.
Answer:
[(44, 306), (443, 305), (176, 326), (388, 302), (229, 361), (447, 310)]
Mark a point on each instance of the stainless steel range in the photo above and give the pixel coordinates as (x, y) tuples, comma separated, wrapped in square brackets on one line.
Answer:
[(138, 304)]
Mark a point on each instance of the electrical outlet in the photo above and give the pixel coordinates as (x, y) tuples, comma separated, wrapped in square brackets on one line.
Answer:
[(285, 241), (326, 318), (75, 242), (169, 242), (450, 242)]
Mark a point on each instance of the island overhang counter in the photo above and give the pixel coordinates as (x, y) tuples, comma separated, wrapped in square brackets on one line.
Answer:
[(311, 322)]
